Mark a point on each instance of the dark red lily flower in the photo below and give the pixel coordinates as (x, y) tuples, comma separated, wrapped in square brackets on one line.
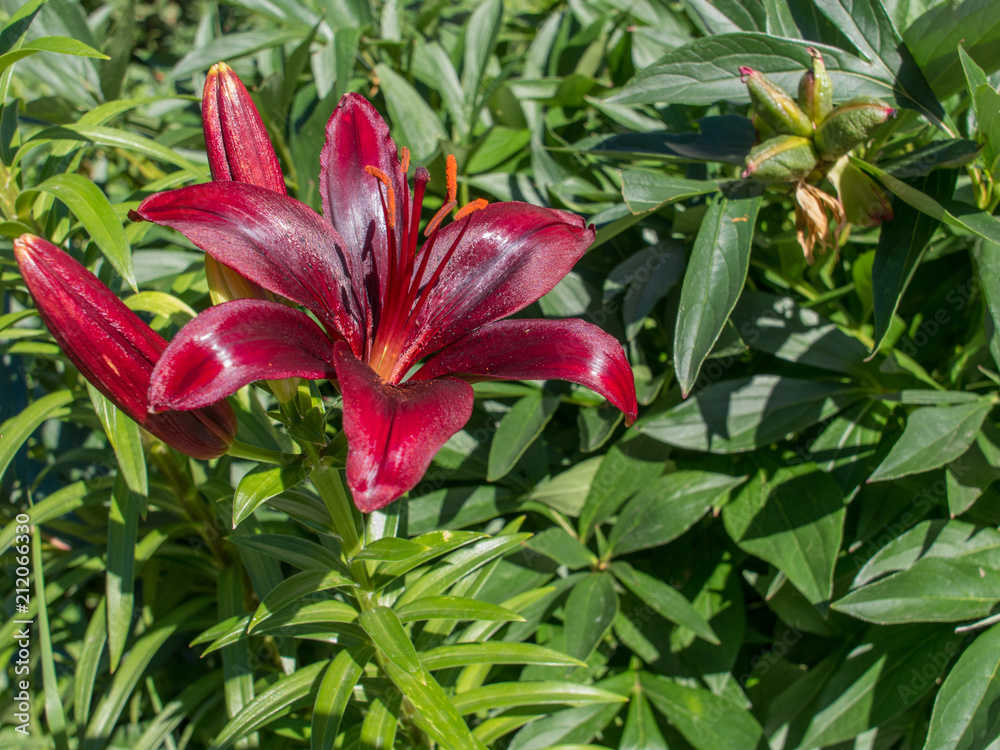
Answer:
[(382, 304), (113, 348)]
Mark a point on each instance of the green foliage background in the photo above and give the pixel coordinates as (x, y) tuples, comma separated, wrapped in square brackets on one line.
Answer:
[(802, 553)]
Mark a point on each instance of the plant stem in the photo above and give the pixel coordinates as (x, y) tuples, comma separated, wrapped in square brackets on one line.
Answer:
[(252, 452)]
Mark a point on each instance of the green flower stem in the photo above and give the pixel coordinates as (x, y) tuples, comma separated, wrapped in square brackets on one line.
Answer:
[(346, 520), (253, 453)]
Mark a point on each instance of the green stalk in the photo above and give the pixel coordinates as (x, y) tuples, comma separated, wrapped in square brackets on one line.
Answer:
[(253, 453)]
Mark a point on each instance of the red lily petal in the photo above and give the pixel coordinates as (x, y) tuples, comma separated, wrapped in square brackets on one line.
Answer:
[(113, 348), (393, 431), (357, 137), (235, 137), (273, 240), (572, 350), (509, 255), (236, 343)]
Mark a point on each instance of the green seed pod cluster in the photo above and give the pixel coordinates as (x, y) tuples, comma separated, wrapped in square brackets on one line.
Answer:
[(799, 136)]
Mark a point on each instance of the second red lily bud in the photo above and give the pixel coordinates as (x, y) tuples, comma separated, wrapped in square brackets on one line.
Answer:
[(113, 348)]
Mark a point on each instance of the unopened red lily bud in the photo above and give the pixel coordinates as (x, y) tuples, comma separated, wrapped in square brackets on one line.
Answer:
[(784, 158), (113, 348), (237, 142), (774, 106), (816, 89), (850, 124), (865, 203)]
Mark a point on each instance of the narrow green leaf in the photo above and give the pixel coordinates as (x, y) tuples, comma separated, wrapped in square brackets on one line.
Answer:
[(126, 440), (518, 429), (196, 696), (391, 549), (714, 278), (513, 694), (386, 630), (557, 543), (567, 492), (931, 590), (55, 717), (88, 662), (18, 429), (481, 32), (230, 47), (296, 551), (416, 125), (123, 523), (665, 600), (964, 716), (378, 728), (641, 731), (296, 587), (934, 436), (795, 521), (262, 483), (335, 693), (495, 652), (454, 608), (59, 44), (287, 691)]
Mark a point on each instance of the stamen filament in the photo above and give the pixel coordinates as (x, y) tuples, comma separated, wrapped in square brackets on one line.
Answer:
[(439, 217), (390, 194)]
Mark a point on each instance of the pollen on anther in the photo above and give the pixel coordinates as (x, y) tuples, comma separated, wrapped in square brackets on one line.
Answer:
[(390, 194), (404, 160), (451, 174), (468, 208)]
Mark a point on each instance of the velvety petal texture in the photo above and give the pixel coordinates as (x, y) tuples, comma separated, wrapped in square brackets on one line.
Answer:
[(235, 137), (113, 348), (274, 241), (496, 262), (357, 137), (236, 343), (572, 350), (393, 431)]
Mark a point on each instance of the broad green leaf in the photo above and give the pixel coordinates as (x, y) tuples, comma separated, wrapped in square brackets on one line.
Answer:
[(890, 670), (590, 609), (435, 543), (16, 430), (494, 652), (707, 721), (123, 524), (460, 506), (953, 213), (931, 590), (964, 717), (902, 242), (415, 124), (567, 492), (706, 71), (779, 326), (558, 544), (481, 32), (297, 586), (934, 436), (725, 138), (436, 713), (641, 731), (454, 608), (334, 694), (666, 508), (512, 694), (92, 208), (663, 599), (646, 191), (795, 521), (714, 279), (627, 467), (391, 549), (870, 30), (967, 478), (131, 669), (386, 630), (934, 39), (264, 482), (436, 66), (848, 443), (987, 256), (572, 725), (159, 303), (741, 415), (58, 44), (289, 690), (18, 23), (518, 429)]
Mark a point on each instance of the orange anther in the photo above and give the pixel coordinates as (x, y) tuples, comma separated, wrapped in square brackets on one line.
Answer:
[(390, 194), (451, 174), (438, 218), (404, 162), (468, 208)]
